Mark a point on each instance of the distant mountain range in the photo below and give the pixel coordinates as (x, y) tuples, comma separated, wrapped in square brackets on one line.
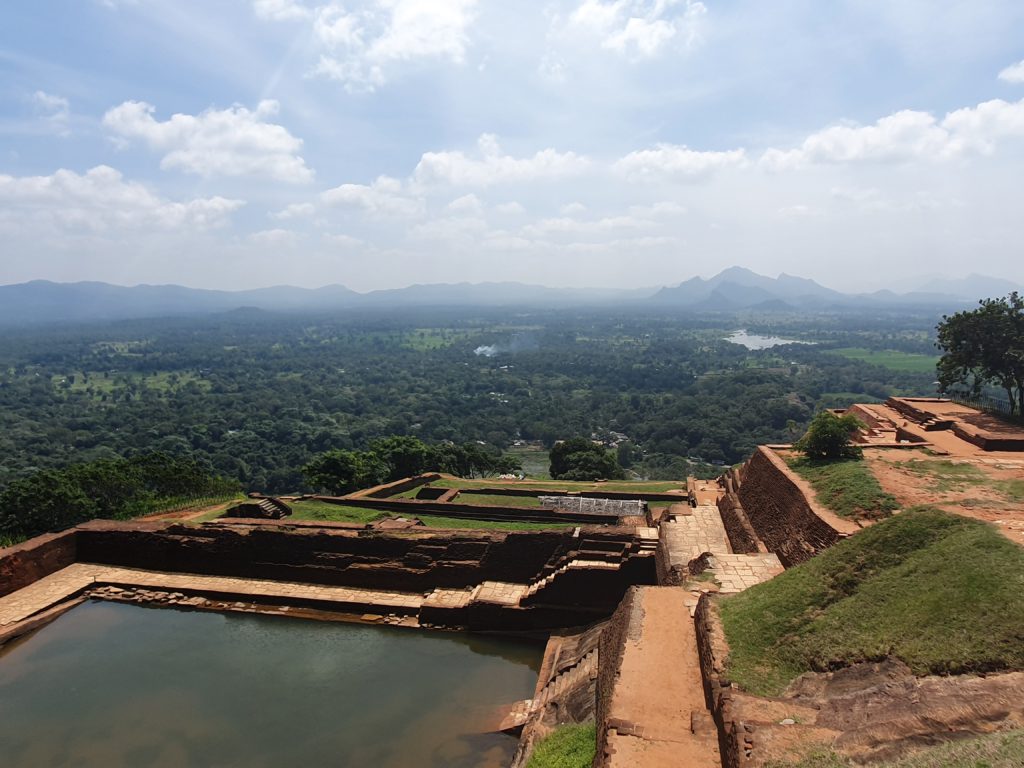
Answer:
[(736, 288)]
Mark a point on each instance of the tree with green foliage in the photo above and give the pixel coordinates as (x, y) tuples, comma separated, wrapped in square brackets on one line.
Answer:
[(405, 456), (830, 437), (581, 459), (117, 488), (985, 346), (340, 471)]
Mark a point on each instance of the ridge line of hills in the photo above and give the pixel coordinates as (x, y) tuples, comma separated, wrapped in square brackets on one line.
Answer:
[(733, 289)]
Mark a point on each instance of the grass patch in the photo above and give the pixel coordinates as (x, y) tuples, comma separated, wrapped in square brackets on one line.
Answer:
[(1012, 489), (892, 359), (846, 486), (569, 746), (323, 511), (994, 750), (942, 593), (497, 500), (436, 521), (654, 486), (946, 475)]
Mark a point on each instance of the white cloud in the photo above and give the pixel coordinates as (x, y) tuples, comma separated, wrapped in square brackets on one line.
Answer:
[(493, 167), (384, 197), (360, 48), (1013, 73), (640, 28), (564, 225), (343, 241), (54, 111), (274, 237), (664, 208), (295, 211), (572, 209), (676, 161), (452, 228), (511, 208), (905, 136), (281, 10), (101, 200), (229, 142), (468, 205)]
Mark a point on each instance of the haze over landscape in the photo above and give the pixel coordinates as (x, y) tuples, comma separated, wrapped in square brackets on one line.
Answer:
[(584, 143)]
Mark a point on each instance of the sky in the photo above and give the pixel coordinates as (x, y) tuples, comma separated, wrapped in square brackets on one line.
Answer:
[(605, 143)]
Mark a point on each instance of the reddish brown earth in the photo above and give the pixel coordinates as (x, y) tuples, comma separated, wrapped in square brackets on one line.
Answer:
[(980, 499)]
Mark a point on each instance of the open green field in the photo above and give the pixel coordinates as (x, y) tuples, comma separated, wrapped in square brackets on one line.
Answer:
[(890, 358), (654, 486), (846, 487), (497, 500), (101, 383), (940, 592), (323, 511)]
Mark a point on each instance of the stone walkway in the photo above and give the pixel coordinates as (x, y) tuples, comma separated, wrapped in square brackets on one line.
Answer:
[(79, 576), (690, 532), (656, 711)]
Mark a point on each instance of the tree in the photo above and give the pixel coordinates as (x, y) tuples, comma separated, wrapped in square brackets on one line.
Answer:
[(985, 346), (582, 459), (829, 437), (340, 471), (406, 456)]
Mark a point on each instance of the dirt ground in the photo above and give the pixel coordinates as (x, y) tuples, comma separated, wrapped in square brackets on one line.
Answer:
[(191, 513), (986, 485)]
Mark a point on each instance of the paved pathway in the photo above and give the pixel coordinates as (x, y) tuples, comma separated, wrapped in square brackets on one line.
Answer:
[(68, 581), (656, 707)]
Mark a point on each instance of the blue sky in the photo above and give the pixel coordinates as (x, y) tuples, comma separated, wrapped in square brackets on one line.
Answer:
[(243, 143)]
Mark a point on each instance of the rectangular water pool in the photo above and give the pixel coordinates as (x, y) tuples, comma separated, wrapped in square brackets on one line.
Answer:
[(110, 685)]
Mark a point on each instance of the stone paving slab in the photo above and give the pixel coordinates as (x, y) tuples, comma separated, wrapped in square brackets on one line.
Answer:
[(690, 535), (79, 576)]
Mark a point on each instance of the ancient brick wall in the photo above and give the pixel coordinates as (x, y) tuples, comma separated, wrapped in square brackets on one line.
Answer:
[(742, 537), (712, 649), (610, 651), (404, 561), (781, 514), (25, 563)]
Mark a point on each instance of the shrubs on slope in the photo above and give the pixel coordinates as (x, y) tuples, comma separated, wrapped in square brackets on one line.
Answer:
[(569, 746), (940, 592)]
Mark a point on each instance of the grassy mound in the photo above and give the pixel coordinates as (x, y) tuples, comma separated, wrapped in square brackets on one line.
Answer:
[(943, 593), (570, 746), (995, 750), (847, 487)]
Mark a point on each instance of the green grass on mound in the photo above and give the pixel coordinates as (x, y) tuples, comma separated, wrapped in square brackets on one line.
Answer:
[(496, 499), (994, 750), (846, 486), (570, 746), (436, 521), (322, 510), (940, 592)]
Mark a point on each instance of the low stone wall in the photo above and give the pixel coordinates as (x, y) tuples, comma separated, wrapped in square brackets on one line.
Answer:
[(782, 514), (712, 648), (610, 651), (623, 495), (395, 487), (742, 537), (30, 561)]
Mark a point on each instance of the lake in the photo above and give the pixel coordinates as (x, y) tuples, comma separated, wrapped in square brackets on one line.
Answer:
[(753, 341)]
